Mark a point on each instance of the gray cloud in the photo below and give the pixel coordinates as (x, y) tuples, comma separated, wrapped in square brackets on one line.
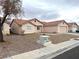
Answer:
[(62, 2), (72, 2), (51, 10), (50, 15), (35, 12)]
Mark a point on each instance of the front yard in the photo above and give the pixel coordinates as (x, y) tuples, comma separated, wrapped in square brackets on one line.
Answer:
[(17, 44), (62, 37)]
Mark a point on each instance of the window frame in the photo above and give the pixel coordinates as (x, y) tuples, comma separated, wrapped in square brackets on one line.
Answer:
[(29, 27)]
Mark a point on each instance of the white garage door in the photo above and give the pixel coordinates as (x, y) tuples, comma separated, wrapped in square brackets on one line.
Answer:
[(63, 29)]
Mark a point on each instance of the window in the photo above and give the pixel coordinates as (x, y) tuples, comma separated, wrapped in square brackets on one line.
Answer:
[(29, 27), (38, 28)]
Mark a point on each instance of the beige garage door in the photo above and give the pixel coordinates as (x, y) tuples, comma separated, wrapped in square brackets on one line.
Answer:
[(63, 29)]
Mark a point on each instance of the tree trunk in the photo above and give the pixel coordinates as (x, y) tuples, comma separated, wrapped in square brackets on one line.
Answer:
[(1, 35), (4, 19), (1, 25)]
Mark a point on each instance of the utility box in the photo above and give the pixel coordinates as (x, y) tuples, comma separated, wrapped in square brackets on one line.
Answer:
[(44, 40)]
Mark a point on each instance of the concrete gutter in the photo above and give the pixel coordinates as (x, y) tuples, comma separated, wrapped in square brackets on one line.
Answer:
[(60, 51), (49, 51)]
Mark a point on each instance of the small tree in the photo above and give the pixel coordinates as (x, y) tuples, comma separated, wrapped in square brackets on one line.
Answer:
[(9, 8)]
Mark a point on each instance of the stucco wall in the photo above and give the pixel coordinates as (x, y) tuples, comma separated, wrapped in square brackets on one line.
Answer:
[(26, 30), (50, 29)]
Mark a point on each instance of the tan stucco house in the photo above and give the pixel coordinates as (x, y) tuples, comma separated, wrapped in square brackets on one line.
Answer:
[(6, 29), (72, 27), (55, 27), (26, 26)]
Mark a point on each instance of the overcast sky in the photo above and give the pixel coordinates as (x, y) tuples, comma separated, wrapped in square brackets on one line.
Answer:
[(52, 9)]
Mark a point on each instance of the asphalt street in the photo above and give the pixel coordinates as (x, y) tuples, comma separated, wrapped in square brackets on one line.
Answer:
[(71, 54)]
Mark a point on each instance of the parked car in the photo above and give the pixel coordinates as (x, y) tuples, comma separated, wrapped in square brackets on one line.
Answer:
[(77, 31)]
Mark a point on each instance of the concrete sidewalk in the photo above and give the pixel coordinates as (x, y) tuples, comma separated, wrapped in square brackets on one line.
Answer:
[(48, 52)]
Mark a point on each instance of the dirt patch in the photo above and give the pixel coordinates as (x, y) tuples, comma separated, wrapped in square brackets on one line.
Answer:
[(17, 44), (61, 38)]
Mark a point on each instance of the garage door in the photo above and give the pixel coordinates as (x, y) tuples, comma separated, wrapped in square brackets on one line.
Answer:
[(63, 29)]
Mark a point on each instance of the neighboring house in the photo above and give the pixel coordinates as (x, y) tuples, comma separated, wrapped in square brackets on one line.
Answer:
[(26, 26), (72, 27), (6, 29), (55, 27)]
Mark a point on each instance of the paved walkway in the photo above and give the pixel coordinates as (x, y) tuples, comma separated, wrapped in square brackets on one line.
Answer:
[(46, 52)]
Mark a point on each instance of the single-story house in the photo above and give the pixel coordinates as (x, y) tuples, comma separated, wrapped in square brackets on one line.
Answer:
[(20, 26), (6, 29), (55, 27), (72, 27)]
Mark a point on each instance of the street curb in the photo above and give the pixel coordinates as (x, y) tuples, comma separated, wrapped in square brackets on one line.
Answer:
[(60, 51)]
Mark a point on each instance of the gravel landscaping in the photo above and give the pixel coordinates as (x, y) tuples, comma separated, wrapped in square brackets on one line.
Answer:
[(61, 38), (17, 44)]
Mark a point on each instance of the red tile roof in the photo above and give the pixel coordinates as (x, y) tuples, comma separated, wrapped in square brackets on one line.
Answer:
[(53, 23), (70, 24), (21, 22)]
